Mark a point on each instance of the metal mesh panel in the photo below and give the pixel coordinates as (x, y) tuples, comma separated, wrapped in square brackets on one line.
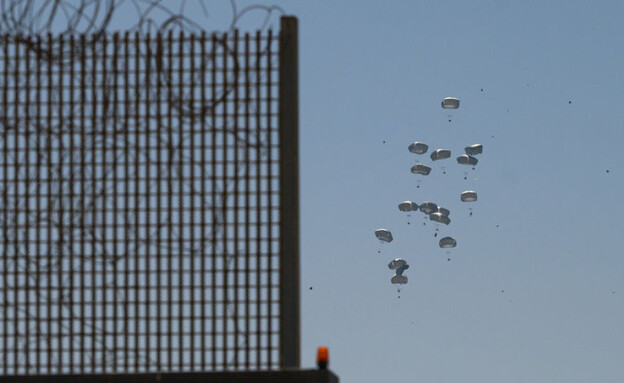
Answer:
[(139, 203)]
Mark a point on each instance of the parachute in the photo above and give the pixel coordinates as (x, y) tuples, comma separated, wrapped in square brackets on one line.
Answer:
[(468, 196), (440, 154), (408, 206), (474, 149), (431, 211), (398, 279), (428, 207), (443, 211), (400, 265), (383, 235), (448, 243), (421, 169), (418, 148), (439, 217), (466, 159), (450, 103)]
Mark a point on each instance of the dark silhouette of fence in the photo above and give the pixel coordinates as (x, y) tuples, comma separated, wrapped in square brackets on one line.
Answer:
[(149, 203)]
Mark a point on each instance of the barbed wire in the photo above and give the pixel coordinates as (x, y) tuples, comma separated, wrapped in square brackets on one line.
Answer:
[(96, 17)]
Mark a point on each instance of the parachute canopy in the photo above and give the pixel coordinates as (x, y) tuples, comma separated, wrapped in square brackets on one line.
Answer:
[(448, 242), (443, 211), (421, 169), (398, 263), (450, 103), (398, 279), (418, 148), (384, 235), (469, 196), (428, 207), (440, 154), (465, 159), (439, 217), (408, 206), (474, 149)]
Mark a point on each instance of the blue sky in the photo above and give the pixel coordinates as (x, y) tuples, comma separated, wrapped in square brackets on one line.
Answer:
[(374, 71), (534, 291)]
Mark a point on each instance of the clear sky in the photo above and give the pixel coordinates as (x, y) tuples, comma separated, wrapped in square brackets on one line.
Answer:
[(534, 291)]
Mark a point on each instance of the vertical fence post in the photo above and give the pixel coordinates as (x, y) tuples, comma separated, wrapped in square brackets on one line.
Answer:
[(289, 193)]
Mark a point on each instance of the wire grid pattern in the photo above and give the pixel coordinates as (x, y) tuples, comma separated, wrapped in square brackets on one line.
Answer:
[(139, 203)]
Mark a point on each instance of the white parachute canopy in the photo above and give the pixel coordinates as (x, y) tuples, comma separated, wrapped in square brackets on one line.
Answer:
[(448, 242), (408, 206), (440, 154), (428, 207), (439, 217), (421, 169), (474, 149), (465, 159), (418, 148), (450, 103), (384, 235), (469, 196)]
